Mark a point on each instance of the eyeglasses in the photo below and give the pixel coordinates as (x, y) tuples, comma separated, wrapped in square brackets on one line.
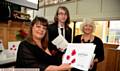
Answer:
[(62, 13)]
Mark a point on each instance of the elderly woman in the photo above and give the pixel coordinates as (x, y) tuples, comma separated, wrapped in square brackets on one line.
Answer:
[(88, 27)]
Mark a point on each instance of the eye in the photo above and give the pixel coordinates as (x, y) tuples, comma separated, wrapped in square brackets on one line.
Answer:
[(62, 13), (44, 27), (38, 26)]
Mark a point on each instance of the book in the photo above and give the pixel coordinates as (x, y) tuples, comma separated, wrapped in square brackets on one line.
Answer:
[(79, 55), (60, 42)]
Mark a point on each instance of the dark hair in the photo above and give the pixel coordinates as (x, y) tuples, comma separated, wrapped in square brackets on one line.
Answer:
[(67, 12), (44, 22)]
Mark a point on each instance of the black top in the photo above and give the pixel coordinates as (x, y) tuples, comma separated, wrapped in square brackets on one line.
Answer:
[(99, 50), (31, 56), (53, 33)]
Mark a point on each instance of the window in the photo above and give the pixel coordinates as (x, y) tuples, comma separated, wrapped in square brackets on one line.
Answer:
[(114, 32)]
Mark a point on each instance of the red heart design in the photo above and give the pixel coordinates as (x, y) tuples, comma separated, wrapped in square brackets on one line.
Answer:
[(11, 48), (73, 52), (13, 45), (15, 49), (68, 57), (73, 61)]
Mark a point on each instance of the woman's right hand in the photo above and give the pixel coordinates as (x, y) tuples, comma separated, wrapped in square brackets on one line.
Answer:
[(61, 49), (64, 67)]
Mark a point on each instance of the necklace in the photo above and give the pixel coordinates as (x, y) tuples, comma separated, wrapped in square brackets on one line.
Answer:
[(86, 39), (83, 41)]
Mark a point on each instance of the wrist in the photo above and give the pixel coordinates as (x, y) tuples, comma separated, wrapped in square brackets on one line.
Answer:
[(52, 68), (96, 60)]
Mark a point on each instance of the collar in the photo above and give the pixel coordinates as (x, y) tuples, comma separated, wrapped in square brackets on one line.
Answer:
[(59, 26)]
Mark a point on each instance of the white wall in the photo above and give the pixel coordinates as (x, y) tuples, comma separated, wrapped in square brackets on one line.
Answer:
[(111, 8), (85, 8), (89, 8), (72, 10), (50, 12), (39, 12)]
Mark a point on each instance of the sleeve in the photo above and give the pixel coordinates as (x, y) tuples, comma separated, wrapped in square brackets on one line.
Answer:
[(99, 50), (26, 59), (49, 33), (52, 34), (70, 35), (74, 39)]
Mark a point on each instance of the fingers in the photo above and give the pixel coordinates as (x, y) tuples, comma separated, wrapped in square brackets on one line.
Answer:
[(61, 49)]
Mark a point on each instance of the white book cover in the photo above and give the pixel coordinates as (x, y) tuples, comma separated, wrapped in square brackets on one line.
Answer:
[(79, 55), (60, 42)]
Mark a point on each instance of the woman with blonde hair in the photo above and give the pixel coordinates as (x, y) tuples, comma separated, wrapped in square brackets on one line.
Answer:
[(88, 27)]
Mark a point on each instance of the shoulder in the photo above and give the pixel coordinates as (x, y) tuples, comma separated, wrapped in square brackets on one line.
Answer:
[(52, 28), (25, 44), (69, 28), (78, 36), (26, 47), (98, 40), (52, 25), (76, 39), (23, 47)]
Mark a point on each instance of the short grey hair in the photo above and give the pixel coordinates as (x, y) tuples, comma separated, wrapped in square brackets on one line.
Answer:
[(90, 22)]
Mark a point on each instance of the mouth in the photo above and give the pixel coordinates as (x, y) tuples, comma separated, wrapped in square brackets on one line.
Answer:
[(40, 33)]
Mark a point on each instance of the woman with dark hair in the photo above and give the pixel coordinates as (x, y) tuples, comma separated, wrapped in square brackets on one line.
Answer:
[(60, 27), (33, 52)]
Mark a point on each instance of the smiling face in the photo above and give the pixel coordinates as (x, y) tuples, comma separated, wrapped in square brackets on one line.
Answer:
[(62, 16), (87, 28), (38, 30)]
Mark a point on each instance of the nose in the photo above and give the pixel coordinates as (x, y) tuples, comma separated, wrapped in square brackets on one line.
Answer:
[(41, 29)]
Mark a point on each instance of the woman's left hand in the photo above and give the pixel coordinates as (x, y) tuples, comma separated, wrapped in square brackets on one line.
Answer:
[(61, 49), (92, 64)]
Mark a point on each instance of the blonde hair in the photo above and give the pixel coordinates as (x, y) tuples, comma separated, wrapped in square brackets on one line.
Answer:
[(89, 22)]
